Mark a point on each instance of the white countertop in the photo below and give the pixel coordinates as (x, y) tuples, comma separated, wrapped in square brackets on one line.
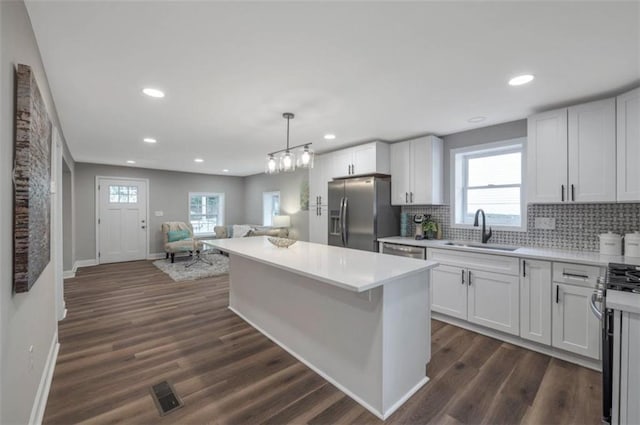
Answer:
[(350, 269), (625, 301), (549, 254)]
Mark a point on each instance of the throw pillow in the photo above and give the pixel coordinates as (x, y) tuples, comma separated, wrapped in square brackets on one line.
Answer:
[(177, 235), (240, 230)]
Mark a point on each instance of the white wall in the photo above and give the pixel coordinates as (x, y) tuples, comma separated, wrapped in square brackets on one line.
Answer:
[(289, 185), (27, 319)]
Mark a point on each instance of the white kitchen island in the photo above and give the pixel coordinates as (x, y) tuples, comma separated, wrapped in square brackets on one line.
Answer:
[(360, 319)]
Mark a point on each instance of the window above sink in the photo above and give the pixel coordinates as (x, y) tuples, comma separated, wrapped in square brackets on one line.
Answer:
[(489, 177)]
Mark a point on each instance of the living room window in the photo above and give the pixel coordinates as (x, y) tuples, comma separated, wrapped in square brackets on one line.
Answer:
[(270, 207), (489, 177), (206, 210)]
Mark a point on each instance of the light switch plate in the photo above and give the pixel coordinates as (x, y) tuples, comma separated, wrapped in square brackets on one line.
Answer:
[(158, 213), (545, 223)]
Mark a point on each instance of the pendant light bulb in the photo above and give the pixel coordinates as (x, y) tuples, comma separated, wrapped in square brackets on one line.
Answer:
[(272, 166)]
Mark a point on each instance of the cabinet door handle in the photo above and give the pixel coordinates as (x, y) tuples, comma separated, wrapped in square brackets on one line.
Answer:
[(463, 277), (573, 193), (406, 197), (524, 268), (562, 192), (574, 275), (469, 280), (411, 196), (557, 294), (320, 200)]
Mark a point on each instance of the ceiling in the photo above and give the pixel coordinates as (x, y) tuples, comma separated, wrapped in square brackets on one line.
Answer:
[(361, 70)]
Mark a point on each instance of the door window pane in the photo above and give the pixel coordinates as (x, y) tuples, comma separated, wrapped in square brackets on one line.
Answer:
[(123, 194)]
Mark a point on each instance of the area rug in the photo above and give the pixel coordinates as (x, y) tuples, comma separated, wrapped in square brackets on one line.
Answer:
[(178, 272)]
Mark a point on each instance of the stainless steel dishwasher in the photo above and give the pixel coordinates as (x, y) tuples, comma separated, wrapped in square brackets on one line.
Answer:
[(405, 251)]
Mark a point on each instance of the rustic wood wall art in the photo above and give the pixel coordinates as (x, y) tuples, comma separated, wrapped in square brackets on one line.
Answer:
[(32, 182)]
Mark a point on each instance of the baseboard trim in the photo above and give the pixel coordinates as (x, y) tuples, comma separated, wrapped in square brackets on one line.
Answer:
[(511, 339), (84, 263), (42, 395), (68, 274), (156, 256)]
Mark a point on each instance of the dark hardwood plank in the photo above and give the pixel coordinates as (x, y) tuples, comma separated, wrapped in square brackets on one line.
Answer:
[(130, 326)]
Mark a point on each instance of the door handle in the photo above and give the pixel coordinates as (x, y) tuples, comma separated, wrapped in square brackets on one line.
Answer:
[(462, 277), (524, 268), (562, 192), (594, 308), (411, 196), (345, 225), (573, 193), (320, 200), (406, 197), (341, 219), (143, 227), (557, 294), (469, 280)]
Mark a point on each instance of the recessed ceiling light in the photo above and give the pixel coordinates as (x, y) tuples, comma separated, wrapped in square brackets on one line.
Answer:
[(149, 140), (153, 92), (225, 170), (130, 162), (521, 79), (329, 136), (476, 119), (198, 160)]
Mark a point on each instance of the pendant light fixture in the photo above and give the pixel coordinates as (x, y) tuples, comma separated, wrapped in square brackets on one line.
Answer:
[(287, 162)]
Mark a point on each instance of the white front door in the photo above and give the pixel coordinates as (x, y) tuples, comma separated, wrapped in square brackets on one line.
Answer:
[(122, 220)]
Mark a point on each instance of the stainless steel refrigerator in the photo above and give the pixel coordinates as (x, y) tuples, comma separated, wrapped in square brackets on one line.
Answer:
[(360, 212)]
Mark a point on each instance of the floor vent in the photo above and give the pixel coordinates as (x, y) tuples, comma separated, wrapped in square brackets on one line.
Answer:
[(165, 398)]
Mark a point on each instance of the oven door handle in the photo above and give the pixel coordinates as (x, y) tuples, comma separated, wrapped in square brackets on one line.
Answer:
[(594, 309)]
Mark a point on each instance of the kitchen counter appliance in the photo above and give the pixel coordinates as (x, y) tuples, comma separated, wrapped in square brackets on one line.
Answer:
[(623, 278), (405, 251), (360, 212)]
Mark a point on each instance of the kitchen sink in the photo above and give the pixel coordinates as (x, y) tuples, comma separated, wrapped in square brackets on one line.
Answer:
[(482, 246)]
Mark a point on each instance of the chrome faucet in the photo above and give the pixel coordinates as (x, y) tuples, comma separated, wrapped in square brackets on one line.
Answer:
[(485, 236)]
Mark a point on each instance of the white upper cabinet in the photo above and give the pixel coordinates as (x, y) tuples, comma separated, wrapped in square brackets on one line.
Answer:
[(417, 171), (571, 154), (547, 157), (370, 158), (318, 181), (628, 146), (592, 152)]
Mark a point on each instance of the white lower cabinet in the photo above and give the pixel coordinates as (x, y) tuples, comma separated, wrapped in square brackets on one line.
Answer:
[(493, 301), (575, 328), (626, 369), (540, 301), (535, 301), (449, 291), (478, 296)]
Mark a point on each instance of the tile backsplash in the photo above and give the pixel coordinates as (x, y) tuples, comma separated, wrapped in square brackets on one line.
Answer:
[(577, 225)]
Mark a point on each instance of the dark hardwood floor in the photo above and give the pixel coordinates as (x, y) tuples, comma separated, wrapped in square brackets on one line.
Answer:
[(130, 326)]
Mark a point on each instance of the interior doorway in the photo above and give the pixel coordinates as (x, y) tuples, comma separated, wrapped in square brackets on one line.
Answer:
[(67, 220)]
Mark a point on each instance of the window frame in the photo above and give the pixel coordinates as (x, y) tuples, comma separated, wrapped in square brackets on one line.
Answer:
[(270, 193), (458, 179), (221, 211)]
